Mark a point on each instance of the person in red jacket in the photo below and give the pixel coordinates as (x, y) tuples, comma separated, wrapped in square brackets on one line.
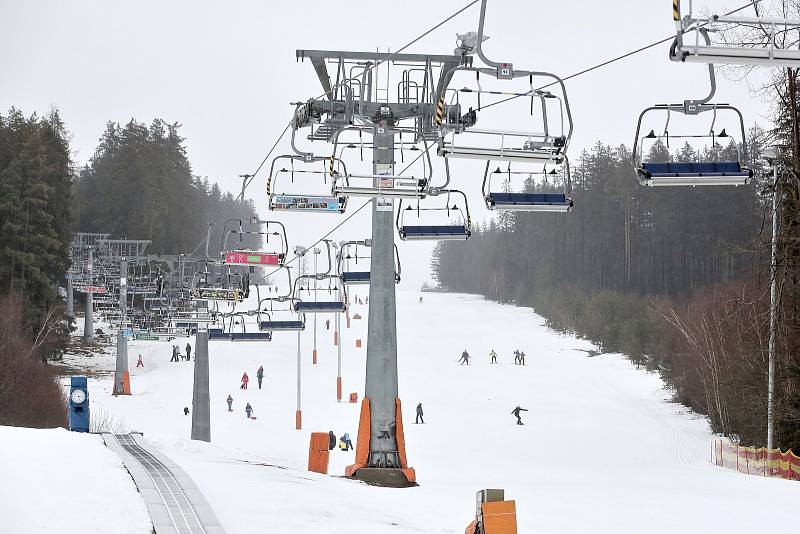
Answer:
[(245, 380)]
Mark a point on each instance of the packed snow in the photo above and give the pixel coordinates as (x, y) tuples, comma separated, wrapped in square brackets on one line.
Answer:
[(601, 450), (59, 481)]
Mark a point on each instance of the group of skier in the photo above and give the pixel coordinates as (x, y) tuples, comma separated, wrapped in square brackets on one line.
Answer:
[(248, 410), (344, 442), (519, 357), (177, 356)]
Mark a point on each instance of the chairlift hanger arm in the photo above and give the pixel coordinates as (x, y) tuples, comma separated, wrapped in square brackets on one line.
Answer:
[(637, 154)]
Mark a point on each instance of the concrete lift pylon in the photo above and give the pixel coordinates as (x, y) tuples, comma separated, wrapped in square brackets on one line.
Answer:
[(380, 449)]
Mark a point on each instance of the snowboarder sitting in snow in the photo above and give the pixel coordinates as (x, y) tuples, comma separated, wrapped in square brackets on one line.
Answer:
[(493, 354), (245, 380), (344, 443), (249, 410), (260, 375), (419, 414), (230, 403), (515, 413), (464, 357)]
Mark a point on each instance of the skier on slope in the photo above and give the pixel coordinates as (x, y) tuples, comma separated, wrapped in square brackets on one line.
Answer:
[(230, 403), (344, 443), (522, 357), (493, 355), (185, 410), (188, 352), (140, 363), (249, 410), (245, 380), (515, 413), (419, 414), (464, 358), (174, 354), (260, 375), (327, 324), (516, 357)]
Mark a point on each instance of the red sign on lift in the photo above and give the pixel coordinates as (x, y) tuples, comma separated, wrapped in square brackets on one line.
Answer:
[(91, 289), (247, 258)]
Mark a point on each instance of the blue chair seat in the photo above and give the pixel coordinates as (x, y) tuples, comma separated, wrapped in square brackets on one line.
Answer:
[(281, 325), (694, 169), (319, 307), (355, 276), (530, 199), (217, 333), (447, 230), (251, 336)]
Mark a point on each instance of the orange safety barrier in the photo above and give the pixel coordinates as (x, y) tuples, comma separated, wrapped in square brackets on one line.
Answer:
[(362, 440), (358, 343), (318, 453), (757, 461), (472, 528), (401, 443), (499, 517), (354, 398)]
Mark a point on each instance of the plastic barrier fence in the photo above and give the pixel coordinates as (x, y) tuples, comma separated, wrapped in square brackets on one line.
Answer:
[(761, 461)]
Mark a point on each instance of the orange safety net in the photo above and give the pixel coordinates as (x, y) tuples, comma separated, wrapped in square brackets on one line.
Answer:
[(757, 461)]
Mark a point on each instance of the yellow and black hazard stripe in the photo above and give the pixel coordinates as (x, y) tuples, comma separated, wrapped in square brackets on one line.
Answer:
[(330, 166), (440, 112), (676, 10)]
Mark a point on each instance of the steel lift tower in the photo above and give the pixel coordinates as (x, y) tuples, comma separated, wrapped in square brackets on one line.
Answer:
[(356, 103)]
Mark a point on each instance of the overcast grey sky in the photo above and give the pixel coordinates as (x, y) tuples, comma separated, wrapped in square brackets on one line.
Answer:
[(226, 71)]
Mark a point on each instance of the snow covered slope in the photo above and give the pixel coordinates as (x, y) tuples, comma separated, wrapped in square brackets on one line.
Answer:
[(602, 450), (55, 481)]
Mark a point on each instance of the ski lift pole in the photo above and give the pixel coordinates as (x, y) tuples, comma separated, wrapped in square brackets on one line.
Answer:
[(314, 351), (338, 359), (88, 327), (298, 416)]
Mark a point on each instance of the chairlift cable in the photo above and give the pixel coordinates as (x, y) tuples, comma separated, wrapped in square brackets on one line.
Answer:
[(618, 58)]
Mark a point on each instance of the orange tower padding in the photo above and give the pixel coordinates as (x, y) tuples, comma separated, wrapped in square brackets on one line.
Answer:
[(362, 440), (358, 343), (348, 320), (401, 443), (472, 528), (314, 357), (126, 384), (499, 517), (298, 420), (335, 338), (338, 388), (318, 453), (354, 397)]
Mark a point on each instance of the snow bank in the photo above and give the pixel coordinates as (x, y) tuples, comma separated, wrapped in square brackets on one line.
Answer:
[(60, 481)]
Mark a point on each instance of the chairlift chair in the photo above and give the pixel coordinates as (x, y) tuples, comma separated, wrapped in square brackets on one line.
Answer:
[(528, 201), (319, 203), (237, 256), (694, 173), (354, 276), (329, 305), (773, 49), (458, 225)]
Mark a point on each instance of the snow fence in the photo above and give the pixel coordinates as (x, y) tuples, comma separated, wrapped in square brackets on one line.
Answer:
[(761, 461)]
